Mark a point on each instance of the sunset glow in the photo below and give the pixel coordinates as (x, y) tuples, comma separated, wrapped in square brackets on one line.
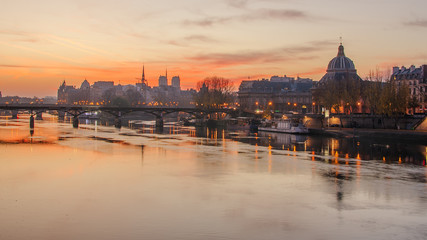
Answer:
[(45, 42)]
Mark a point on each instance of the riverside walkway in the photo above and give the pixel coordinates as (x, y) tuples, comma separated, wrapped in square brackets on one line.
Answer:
[(419, 136)]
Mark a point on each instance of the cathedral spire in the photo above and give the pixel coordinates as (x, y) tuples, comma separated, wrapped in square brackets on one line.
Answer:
[(143, 74)]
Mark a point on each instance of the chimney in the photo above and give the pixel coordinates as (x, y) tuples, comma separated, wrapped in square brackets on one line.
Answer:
[(395, 70), (424, 72)]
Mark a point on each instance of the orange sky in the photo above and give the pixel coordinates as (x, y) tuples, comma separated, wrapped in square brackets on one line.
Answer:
[(45, 42)]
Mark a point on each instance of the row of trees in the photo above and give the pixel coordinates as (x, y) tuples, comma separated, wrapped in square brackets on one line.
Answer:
[(377, 94), (130, 97), (343, 94), (214, 92), (383, 95)]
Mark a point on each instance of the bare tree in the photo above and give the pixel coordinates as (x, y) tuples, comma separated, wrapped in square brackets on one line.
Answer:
[(214, 92), (394, 100), (108, 95), (133, 96), (372, 90), (327, 95)]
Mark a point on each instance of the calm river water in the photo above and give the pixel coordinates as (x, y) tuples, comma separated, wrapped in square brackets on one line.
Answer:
[(98, 182)]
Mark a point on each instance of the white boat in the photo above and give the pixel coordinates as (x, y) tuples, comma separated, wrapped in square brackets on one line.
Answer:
[(285, 126)]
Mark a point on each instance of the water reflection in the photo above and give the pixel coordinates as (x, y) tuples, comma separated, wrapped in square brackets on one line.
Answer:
[(106, 183), (388, 151)]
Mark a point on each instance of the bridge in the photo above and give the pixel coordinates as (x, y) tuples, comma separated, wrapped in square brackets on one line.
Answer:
[(117, 112)]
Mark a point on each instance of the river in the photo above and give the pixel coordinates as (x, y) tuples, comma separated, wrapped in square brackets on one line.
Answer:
[(99, 182)]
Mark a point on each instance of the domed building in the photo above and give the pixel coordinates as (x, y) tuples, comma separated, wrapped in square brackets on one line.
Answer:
[(85, 85), (340, 68), (339, 90)]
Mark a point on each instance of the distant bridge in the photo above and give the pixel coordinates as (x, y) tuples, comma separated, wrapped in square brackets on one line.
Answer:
[(117, 112)]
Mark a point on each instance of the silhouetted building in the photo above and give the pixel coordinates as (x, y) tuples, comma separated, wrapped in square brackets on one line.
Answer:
[(176, 82), (280, 94), (340, 68), (163, 80), (85, 85), (416, 80), (67, 94), (342, 73), (143, 85), (104, 92), (84, 92)]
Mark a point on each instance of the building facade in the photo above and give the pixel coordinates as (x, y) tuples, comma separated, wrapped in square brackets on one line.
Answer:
[(277, 94), (176, 82), (416, 79), (341, 74), (340, 68), (104, 92)]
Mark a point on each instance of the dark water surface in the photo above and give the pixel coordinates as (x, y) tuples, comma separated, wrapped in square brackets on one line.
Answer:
[(98, 182)]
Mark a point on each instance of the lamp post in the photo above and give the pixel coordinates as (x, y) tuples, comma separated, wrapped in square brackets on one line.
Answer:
[(271, 108)]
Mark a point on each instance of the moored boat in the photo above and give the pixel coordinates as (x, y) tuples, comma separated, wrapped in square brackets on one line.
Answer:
[(285, 126)]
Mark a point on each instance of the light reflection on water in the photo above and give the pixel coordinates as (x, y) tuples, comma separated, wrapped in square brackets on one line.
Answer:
[(98, 182)]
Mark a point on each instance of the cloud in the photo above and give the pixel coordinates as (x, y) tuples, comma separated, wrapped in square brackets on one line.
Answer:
[(220, 60), (281, 14), (208, 21), (199, 38), (314, 71), (303, 52), (76, 68), (21, 36), (184, 42), (14, 32), (252, 15), (417, 23), (309, 47), (237, 3)]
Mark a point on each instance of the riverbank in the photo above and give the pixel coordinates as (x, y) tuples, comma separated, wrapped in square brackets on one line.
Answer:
[(407, 135)]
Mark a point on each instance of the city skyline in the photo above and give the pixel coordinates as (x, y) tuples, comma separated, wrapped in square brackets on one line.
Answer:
[(44, 42)]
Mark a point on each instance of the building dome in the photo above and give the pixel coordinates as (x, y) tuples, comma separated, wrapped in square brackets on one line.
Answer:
[(85, 85), (340, 68), (341, 63)]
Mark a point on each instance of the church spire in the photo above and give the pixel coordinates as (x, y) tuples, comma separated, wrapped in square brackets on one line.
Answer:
[(143, 75)]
